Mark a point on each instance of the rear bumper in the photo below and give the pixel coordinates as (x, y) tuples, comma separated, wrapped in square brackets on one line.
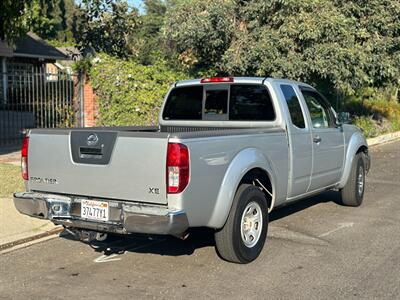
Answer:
[(125, 217)]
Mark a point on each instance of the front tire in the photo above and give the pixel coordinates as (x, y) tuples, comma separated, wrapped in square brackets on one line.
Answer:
[(353, 192), (243, 236)]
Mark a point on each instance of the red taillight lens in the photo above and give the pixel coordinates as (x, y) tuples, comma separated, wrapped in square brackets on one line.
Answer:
[(177, 168), (216, 79), (24, 158)]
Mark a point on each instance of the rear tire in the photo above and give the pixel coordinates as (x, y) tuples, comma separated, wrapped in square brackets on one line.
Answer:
[(353, 192), (243, 236)]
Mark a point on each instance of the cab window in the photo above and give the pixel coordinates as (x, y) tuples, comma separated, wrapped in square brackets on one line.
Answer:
[(319, 109), (293, 103)]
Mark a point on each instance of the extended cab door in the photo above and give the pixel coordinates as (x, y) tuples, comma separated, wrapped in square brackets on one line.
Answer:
[(328, 141), (300, 140)]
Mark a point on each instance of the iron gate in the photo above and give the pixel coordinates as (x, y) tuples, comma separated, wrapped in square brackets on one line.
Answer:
[(35, 98)]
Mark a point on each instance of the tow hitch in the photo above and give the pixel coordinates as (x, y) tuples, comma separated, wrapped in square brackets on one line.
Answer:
[(87, 236)]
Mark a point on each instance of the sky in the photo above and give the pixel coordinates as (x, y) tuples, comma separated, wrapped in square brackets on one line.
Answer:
[(137, 3)]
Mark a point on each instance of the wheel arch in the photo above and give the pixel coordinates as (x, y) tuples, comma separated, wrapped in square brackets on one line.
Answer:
[(357, 144), (262, 179), (246, 166)]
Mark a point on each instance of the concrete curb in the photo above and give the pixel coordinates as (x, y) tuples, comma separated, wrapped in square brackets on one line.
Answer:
[(383, 138), (31, 238)]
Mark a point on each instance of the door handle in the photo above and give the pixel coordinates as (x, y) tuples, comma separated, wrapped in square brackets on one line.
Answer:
[(317, 139)]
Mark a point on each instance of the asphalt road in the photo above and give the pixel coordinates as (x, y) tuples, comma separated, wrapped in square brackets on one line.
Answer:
[(316, 249)]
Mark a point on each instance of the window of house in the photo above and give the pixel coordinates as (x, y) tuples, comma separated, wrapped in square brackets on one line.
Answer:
[(19, 74)]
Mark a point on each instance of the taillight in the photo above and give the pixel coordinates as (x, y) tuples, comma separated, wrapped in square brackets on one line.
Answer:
[(24, 158), (216, 79), (177, 168)]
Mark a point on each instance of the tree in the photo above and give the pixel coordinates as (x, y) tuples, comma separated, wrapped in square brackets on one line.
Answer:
[(12, 19), (106, 26), (200, 32), (343, 45), (52, 19), (146, 42)]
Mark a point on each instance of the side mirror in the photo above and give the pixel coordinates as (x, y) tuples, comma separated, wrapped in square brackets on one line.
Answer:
[(344, 118)]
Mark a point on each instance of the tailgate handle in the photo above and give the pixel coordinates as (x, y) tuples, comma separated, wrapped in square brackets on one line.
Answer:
[(86, 152)]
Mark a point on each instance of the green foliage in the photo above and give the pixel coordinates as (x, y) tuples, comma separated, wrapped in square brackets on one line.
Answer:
[(129, 93), (52, 19), (61, 43), (13, 19), (347, 44), (368, 125), (66, 117), (106, 26), (146, 43), (84, 65), (201, 31), (373, 112)]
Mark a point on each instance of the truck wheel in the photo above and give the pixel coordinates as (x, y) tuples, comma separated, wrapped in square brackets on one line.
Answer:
[(353, 192), (243, 236)]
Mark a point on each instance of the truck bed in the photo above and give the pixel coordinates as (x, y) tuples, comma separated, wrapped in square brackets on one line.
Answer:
[(125, 164)]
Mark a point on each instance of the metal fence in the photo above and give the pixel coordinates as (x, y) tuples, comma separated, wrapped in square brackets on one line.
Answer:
[(35, 98)]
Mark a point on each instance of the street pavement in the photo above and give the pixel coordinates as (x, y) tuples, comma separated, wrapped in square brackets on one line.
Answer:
[(316, 249)]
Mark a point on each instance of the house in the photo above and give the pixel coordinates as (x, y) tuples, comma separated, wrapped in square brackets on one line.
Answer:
[(29, 54), (30, 95), (38, 89)]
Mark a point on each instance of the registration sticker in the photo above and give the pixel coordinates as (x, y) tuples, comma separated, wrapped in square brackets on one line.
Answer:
[(94, 210)]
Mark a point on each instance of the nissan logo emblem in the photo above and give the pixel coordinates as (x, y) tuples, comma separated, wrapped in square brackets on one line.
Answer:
[(92, 139)]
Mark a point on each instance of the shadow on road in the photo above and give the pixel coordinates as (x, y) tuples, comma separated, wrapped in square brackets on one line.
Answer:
[(161, 245), (198, 238), (303, 204)]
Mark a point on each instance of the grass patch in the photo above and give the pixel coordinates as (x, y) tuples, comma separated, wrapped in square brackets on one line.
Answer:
[(10, 180)]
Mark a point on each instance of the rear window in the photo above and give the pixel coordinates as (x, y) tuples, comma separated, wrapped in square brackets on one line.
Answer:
[(184, 103), (250, 103), (246, 103), (216, 102)]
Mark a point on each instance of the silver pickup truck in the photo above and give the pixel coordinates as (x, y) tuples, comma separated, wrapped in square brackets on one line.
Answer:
[(227, 151)]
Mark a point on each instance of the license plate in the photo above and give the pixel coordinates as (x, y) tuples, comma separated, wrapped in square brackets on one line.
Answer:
[(94, 210)]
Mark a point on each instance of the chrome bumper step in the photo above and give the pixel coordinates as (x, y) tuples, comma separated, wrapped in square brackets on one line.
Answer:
[(125, 217)]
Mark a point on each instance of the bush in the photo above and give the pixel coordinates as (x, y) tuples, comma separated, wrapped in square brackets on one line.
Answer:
[(129, 93), (373, 113)]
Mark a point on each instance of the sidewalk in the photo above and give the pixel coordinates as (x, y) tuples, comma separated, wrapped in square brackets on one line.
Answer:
[(16, 228), (13, 158)]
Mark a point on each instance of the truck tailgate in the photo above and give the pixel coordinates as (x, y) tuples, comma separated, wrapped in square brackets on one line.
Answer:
[(104, 164)]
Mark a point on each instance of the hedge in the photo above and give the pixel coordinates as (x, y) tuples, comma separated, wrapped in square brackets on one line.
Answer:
[(129, 93)]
